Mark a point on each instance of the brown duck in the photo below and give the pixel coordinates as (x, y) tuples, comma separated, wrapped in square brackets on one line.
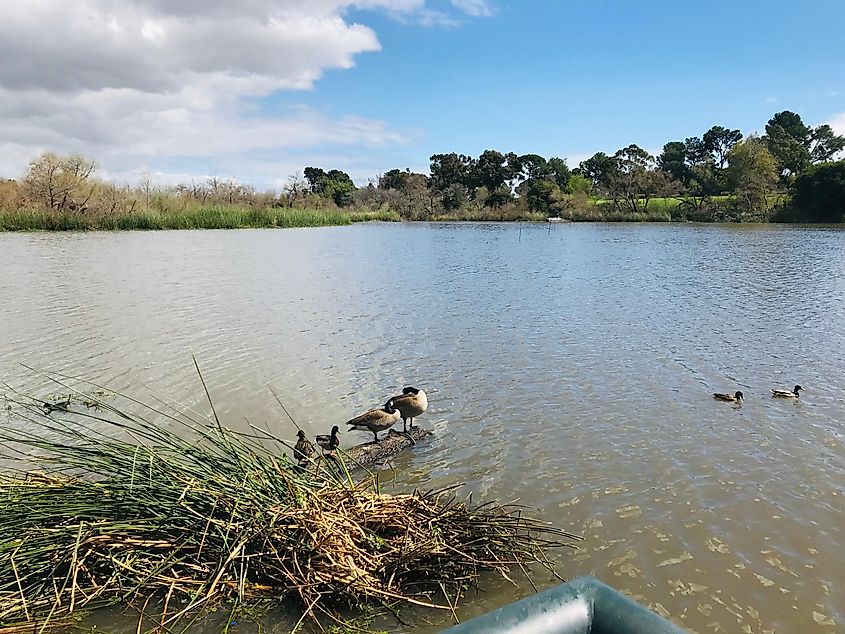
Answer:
[(303, 449)]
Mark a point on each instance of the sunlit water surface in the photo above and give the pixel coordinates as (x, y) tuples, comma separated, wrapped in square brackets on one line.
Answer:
[(569, 367)]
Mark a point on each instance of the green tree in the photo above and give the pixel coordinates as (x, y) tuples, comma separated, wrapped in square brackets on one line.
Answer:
[(334, 184), (820, 192), (494, 171), (560, 171), (753, 176), (339, 187), (315, 177), (541, 195), (598, 168), (534, 167), (673, 160), (578, 184), (719, 141), (824, 143), (393, 179), (415, 196), (635, 181), (703, 180), (450, 178), (450, 169), (796, 146), (788, 139)]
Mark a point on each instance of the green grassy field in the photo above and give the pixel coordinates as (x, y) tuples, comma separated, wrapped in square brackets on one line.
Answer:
[(211, 217)]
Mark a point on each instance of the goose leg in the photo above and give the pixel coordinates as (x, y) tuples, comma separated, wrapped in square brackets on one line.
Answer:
[(375, 434), (405, 425)]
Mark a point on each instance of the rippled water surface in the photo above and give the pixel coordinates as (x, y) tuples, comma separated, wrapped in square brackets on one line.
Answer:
[(570, 367)]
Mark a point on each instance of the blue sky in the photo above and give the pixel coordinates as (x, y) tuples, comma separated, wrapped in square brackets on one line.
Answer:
[(572, 78), (260, 90)]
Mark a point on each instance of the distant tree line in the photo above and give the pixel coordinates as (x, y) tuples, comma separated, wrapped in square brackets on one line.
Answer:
[(787, 174), (719, 175)]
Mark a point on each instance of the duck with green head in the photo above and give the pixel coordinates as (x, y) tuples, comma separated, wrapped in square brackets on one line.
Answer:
[(787, 393), (729, 398), (328, 443)]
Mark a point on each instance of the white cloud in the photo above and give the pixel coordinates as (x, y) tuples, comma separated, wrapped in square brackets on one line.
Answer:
[(138, 83), (837, 122), (573, 160), (771, 99), (474, 7)]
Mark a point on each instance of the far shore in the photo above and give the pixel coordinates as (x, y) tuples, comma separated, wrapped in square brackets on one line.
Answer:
[(236, 217)]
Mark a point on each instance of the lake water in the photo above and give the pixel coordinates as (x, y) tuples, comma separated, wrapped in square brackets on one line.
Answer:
[(570, 367)]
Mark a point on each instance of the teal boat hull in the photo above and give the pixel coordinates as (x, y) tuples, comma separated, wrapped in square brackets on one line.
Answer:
[(582, 606)]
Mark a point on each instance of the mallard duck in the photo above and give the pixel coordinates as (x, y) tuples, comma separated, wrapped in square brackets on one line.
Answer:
[(787, 393), (303, 449), (376, 420), (730, 398), (411, 403), (329, 443)]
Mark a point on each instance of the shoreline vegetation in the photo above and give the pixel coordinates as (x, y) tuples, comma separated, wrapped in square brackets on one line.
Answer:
[(787, 175), (200, 217), (165, 511)]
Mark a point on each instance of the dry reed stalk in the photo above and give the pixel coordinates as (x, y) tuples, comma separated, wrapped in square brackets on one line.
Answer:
[(178, 507)]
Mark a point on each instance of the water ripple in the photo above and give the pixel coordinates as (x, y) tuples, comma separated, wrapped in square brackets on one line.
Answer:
[(570, 368)]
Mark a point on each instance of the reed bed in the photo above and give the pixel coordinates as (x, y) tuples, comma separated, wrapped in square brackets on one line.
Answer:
[(199, 217), (134, 504)]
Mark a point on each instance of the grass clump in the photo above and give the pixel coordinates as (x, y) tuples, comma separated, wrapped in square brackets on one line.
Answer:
[(190, 217), (170, 507)]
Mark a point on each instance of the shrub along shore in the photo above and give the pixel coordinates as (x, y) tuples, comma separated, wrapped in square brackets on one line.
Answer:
[(234, 216)]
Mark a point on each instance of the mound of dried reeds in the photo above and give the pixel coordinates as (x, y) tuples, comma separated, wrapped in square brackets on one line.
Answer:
[(128, 506)]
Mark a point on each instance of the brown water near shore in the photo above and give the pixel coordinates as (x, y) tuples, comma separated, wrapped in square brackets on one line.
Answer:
[(570, 367)]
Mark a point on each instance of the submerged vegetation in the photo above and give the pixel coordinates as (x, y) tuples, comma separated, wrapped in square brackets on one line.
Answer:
[(787, 175), (175, 515)]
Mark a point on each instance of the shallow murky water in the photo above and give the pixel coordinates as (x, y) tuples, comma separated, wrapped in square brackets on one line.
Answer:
[(570, 367)]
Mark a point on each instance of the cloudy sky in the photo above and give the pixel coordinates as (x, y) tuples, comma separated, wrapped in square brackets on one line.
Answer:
[(258, 89)]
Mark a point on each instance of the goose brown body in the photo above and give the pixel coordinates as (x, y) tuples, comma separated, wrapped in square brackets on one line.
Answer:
[(376, 420), (411, 403)]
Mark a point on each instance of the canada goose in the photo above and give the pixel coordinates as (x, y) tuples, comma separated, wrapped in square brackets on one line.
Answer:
[(735, 398), (329, 443), (376, 420), (411, 403), (787, 393), (303, 449)]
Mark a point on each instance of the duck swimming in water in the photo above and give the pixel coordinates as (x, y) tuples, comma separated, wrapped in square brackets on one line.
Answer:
[(729, 398), (787, 393), (376, 420), (411, 403)]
